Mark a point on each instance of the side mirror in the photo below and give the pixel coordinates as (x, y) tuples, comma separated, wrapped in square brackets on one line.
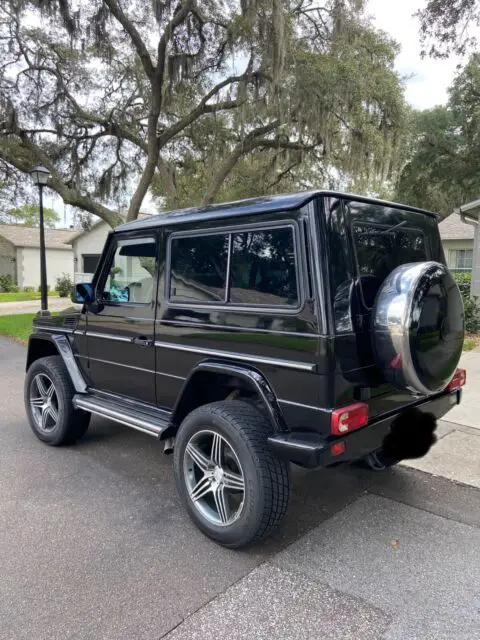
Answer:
[(82, 292)]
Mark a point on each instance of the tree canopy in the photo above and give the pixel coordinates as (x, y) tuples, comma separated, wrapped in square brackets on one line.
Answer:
[(201, 100), (445, 26), (444, 168), (29, 215)]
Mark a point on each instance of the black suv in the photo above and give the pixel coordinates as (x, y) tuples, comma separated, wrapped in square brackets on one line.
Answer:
[(315, 328)]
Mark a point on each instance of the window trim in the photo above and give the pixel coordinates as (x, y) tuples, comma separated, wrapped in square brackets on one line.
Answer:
[(118, 241), (231, 230)]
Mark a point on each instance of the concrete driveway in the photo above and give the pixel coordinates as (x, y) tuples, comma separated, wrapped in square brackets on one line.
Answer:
[(94, 545)]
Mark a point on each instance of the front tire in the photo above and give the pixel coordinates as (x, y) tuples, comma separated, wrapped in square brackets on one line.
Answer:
[(234, 488), (48, 396)]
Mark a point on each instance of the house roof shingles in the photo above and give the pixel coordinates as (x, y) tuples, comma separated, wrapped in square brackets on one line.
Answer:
[(452, 228), (21, 236)]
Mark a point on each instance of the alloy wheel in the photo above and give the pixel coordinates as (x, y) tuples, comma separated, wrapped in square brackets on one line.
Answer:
[(44, 402), (214, 477)]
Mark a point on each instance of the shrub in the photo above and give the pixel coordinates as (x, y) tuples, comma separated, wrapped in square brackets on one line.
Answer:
[(7, 283), (40, 288), (64, 285), (29, 289), (470, 303)]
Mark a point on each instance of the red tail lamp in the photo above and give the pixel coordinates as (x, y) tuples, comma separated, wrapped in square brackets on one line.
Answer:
[(459, 379), (349, 418)]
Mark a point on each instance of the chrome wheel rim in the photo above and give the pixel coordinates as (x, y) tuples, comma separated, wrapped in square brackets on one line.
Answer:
[(44, 402), (214, 478)]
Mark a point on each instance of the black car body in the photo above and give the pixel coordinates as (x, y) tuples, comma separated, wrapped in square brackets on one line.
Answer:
[(271, 302)]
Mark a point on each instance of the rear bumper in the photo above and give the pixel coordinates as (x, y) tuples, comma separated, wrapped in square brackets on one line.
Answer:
[(310, 450)]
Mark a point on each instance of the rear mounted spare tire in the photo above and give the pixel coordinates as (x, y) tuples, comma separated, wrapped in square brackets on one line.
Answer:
[(418, 327)]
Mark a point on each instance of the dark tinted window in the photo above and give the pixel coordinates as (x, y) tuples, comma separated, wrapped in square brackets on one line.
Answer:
[(380, 249), (199, 268), (263, 268)]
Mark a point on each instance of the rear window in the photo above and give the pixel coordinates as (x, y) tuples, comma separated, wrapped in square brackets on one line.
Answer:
[(379, 249)]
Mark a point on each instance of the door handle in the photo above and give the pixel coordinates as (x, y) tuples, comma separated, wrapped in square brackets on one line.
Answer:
[(142, 341)]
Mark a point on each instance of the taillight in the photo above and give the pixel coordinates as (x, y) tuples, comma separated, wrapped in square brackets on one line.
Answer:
[(349, 418), (458, 380)]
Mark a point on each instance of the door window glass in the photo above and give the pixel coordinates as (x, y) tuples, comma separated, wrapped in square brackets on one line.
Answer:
[(263, 268), (199, 268), (132, 272)]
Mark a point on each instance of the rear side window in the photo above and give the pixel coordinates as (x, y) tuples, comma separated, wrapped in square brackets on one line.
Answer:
[(199, 268), (254, 267), (263, 268)]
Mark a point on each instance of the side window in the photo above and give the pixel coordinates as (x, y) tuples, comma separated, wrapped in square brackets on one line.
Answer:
[(199, 268), (131, 273), (263, 270)]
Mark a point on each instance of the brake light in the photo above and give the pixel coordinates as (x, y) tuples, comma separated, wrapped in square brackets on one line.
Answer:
[(349, 418), (459, 379)]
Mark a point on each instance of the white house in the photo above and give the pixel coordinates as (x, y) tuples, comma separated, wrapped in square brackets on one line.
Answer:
[(87, 248), (20, 254), (457, 240), (470, 215)]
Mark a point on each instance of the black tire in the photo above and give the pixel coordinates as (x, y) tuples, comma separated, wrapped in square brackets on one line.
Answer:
[(72, 423), (266, 480)]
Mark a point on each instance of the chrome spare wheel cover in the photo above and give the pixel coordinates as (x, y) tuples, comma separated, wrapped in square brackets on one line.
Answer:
[(214, 478), (418, 327), (44, 402)]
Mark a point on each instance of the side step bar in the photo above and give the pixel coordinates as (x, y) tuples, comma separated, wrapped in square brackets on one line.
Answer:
[(151, 421)]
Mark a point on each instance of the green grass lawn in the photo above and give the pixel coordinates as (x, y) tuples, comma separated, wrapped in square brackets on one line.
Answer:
[(18, 326), (19, 296), (469, 344)]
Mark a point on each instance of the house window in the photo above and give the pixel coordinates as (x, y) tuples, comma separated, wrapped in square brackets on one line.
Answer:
[(90, 262), (461, 259)]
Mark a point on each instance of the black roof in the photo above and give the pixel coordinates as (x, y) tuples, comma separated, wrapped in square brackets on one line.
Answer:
[(251, 206)]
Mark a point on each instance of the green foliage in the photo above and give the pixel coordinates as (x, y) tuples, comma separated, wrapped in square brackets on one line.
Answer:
[(29, 215), (39, 289), (469, 344), (64, 285), (7, 283), (443, 171), (445, 26), (470, 303), (29, 289), (198, 101)]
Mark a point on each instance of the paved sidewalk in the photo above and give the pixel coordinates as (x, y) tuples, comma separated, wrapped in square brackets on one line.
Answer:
[(467, 412), (32, 306)]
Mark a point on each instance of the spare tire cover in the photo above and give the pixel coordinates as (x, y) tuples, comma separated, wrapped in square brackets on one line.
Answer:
[(418, 327)]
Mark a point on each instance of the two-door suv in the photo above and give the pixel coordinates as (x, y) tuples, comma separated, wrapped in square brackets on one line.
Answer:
[(315, 328)]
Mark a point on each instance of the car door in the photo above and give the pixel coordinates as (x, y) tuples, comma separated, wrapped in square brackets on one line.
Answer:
[(120, 323)]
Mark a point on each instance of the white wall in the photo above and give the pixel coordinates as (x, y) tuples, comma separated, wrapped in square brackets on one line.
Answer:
[(7, 253), (59, 261), (455, 245), (91, 242)]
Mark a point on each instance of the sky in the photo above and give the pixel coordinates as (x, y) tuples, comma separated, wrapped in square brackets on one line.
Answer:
[(428, 79)]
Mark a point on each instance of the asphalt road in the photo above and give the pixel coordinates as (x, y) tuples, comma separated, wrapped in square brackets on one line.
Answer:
[(94, 544)]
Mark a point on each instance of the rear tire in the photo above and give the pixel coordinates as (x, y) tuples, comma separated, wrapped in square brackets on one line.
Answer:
[(234, 488), (48, 396)]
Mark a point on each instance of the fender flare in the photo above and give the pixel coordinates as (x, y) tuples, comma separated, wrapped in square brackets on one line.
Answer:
[(64, 350), (255, 380)]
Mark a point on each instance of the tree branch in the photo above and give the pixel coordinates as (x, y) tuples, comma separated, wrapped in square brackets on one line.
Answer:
[(135, 37)]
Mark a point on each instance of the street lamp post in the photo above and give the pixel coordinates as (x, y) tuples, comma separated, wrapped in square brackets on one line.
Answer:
[(40, 177)]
